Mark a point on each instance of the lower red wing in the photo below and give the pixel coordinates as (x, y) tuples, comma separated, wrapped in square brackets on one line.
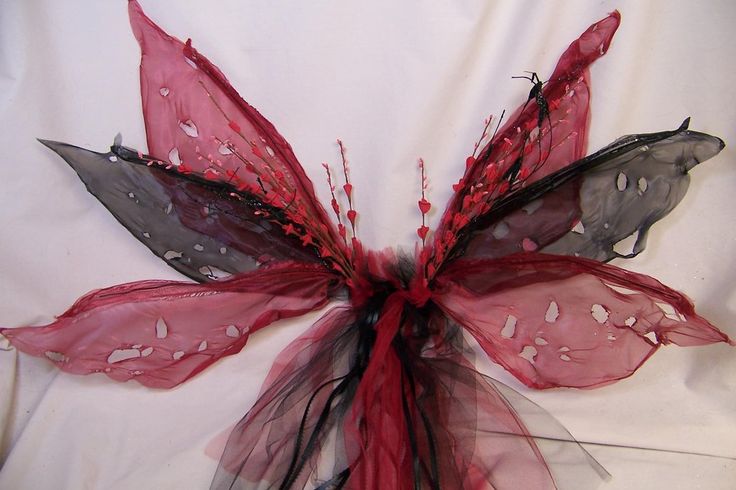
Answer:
[(161, 333), (564, 321)]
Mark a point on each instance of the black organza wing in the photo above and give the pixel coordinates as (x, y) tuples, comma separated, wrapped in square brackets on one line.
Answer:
[(623, 197), (205, 230), (600, 207)]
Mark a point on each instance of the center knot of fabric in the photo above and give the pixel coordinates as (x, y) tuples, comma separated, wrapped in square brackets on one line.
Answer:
[(418, 293)]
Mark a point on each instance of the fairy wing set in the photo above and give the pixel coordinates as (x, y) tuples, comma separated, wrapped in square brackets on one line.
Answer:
[(381, 392)]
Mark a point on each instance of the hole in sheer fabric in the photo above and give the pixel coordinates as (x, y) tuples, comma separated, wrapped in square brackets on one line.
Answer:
[(642, 184), (529, 245), (174, 157), (213, 272), (56, 356), (621, 289), (552, 313), (529, 352), (509, 328), (670, 312), (621, 181), (224, 149), (189, 128), (173, 254), (119, 355), (500, 231), (599, 313), (626, 246), (162, 330)]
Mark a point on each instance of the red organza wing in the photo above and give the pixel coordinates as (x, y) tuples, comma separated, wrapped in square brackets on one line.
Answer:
[(545, 134), (197, 122), (161, 333), (563, 136), (564, 321)]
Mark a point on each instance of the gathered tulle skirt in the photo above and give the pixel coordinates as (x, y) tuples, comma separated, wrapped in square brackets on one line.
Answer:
[(339, 409)]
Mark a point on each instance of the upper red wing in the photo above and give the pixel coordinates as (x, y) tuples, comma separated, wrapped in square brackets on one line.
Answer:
[(529, 148), (196, 121)]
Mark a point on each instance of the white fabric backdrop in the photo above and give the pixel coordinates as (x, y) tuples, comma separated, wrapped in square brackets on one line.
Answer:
[(395, 81)]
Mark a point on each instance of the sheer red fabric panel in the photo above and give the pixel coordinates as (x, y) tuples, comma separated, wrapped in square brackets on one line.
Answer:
[(161, 333), (564, 321), (542, 139), (197, 121)]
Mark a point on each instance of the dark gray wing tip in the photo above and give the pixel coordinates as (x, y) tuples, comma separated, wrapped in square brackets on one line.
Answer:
[(50, 143)]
